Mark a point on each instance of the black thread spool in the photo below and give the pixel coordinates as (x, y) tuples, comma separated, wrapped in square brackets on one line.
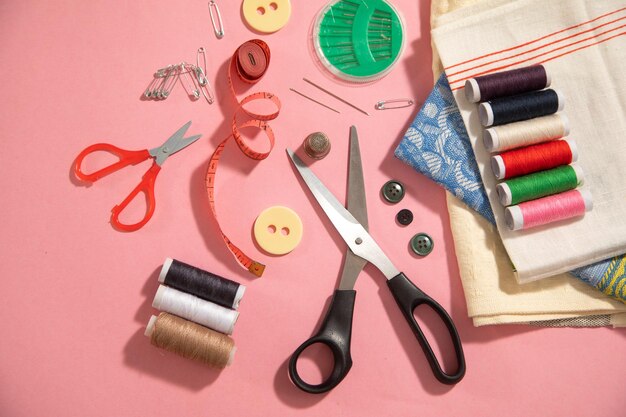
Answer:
[(507, 83), (521, 107), (201, 283)]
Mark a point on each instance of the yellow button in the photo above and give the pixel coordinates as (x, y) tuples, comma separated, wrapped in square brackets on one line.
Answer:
[(266, 16), (278, 230)]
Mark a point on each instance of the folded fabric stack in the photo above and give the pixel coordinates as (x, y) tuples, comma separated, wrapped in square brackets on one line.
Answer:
[(438, 145)]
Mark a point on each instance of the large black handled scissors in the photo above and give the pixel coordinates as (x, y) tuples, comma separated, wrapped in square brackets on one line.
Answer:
[(336, 329)]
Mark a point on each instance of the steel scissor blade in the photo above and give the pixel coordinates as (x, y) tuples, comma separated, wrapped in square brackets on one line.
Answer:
[(175, 143), (353, 233)]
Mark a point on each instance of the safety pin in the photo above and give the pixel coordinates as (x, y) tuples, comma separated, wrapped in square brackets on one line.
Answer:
[(403, 102), (218, 25), (151, 87), (203, 82), (193, 91), (168, 83)]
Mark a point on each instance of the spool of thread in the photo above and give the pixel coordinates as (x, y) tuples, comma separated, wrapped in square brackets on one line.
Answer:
[(525, 106), (200, 283), (507, 83), (196, 309), (567, 205), (525, 133), (534, 158), (539, 184), (316, 145), (190, 340)]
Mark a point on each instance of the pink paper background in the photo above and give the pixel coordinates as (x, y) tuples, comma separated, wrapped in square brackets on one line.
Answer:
[(76, 294)]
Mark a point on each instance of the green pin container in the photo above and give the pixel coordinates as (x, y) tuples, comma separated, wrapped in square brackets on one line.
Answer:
[(358, 40)]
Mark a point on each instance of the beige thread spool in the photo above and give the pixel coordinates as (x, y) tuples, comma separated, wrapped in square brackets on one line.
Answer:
[(316, 145), (190, 340), (525, 133)]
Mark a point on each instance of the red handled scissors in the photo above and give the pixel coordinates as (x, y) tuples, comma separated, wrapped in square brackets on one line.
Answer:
[(174, 144)]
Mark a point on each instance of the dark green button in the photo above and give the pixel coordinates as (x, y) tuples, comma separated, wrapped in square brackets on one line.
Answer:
[(422, 244), (393, 191)]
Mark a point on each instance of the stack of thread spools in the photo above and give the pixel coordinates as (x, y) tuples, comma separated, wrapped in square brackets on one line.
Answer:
[(198, 313), (531, 154)]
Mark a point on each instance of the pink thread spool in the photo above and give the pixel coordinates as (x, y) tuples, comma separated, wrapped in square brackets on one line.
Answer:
[(549, 209)]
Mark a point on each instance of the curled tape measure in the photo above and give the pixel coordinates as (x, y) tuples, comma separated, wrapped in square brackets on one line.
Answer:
[(249, 63)]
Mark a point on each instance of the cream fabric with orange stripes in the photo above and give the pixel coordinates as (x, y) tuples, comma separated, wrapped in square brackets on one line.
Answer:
[(491, 293), (582, 44)]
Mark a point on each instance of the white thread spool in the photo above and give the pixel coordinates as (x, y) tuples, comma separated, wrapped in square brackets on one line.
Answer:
[(527, 132), (499, 169), (195, 309)]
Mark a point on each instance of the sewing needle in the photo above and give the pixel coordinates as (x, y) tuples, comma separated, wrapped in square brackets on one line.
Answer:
[(336, 96), (313, 100)]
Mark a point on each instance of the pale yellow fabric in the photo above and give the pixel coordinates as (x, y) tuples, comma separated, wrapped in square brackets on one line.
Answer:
[(491, 291)]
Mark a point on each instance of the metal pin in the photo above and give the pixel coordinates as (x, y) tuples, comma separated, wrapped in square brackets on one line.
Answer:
[(313, 100), (397, 104), (191, 86), (216, 20), (205, 85), (336, 96), (168, 83)]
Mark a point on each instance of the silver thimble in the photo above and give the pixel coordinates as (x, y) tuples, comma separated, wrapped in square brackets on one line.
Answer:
[(316, 145)]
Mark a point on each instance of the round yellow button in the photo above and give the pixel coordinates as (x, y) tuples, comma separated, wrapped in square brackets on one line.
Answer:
[(266, 16), (278, 230)]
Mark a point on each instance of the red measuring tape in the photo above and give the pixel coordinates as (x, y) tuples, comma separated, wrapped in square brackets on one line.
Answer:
[(249, 63)]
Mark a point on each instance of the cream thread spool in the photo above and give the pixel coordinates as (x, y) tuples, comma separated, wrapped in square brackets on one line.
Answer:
[(527, 132), (195, 309), (190, 340)]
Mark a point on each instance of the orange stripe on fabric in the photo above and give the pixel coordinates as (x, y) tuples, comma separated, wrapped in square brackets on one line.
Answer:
[(539, 47), (538, 56), (554, 57), (535, 40)]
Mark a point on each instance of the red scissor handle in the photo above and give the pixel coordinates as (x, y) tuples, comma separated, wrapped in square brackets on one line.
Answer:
[(125, 158), (146, 186)]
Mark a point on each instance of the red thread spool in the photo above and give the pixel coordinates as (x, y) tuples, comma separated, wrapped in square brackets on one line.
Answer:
[(534, 158)]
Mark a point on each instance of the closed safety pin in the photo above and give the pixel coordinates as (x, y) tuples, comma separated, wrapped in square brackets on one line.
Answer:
[(396, 104), (216, 20), (203, 82)]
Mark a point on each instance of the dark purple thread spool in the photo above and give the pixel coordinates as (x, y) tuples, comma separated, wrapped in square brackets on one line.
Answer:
[(507, 83), (200, 283)]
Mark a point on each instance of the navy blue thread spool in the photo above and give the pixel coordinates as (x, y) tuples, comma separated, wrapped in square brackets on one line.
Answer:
[(526, 106), (507, 83), (202, 284)]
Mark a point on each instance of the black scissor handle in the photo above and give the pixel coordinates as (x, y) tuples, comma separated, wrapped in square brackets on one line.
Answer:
[(335, 332), (408, 296)]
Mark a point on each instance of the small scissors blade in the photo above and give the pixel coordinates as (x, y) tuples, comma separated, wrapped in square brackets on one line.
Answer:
[(175, 143), (353, 233)]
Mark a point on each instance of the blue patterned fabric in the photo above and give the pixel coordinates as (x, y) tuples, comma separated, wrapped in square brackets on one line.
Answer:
[(437, 145)]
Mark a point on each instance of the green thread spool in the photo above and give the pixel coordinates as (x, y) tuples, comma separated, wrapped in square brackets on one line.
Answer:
[(358, 40), (539, 184)]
